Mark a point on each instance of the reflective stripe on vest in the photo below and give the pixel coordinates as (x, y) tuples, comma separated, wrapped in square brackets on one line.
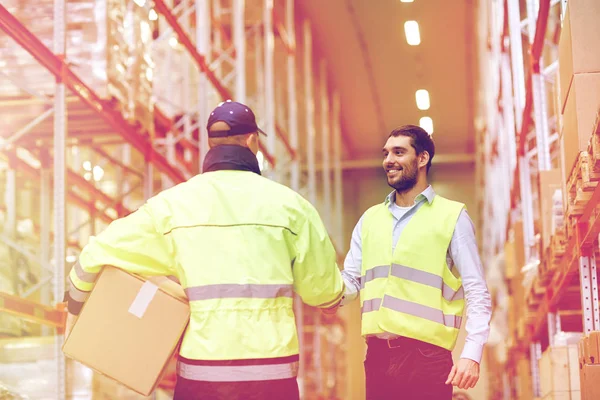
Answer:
[(89, 277), (417, 310), (238, 372), (228, 291), (414, 275), (76, 294)]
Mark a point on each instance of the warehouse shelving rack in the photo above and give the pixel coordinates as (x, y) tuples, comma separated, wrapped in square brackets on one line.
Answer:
[(522, 139), (212, 50)]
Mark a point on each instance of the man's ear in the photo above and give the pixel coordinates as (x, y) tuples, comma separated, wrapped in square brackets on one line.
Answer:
[(424, 159), (252, 142)]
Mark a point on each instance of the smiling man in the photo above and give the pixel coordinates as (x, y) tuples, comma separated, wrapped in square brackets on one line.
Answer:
[(414, 261)]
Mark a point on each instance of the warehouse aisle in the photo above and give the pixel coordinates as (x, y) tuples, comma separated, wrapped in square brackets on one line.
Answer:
[(104, 105)]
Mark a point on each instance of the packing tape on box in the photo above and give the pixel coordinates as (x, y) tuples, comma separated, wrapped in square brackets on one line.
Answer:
[(141, 302)]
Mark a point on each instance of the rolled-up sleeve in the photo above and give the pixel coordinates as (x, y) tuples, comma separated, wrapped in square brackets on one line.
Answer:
[(132, 244)]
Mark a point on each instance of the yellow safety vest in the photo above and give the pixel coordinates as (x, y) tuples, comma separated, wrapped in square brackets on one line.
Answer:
[(240, 245), (412, 292)]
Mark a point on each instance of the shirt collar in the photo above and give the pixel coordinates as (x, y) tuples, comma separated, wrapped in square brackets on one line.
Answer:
[(428, 194)]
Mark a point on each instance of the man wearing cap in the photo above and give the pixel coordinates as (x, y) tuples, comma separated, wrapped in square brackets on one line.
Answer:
[(240, 245), (413, 259)]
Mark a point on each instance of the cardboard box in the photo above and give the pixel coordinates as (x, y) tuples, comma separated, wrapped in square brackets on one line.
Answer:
[(579, 117), (590, 382), (554, 370), (580, 34), (562, 396), (525, 386), (592, 351), (510, 260), (129, 328), (549, 182)]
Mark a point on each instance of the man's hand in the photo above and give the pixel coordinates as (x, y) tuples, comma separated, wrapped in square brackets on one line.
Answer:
[(69, 324), (464, 374)]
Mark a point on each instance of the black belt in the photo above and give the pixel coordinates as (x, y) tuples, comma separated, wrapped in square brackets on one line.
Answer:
[(401, 341), (393, 343)]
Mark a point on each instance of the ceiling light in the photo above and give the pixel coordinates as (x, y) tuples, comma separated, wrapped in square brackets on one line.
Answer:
[(173, 41), (411, 29), (406, 1), (140, 3), (153, 15), (427, 124), (422, 99), (98, 173), (87, 165)]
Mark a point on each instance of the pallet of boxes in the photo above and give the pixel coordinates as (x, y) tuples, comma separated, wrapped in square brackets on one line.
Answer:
[(559, 368), (128, 332), (579, 103), (589, 366)]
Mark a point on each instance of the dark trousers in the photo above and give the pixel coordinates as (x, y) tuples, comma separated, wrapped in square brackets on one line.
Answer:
[(407, 369), (282, 389)]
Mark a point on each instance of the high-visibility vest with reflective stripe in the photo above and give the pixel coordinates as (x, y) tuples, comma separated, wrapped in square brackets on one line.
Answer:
[(241, 245), (411, 292)]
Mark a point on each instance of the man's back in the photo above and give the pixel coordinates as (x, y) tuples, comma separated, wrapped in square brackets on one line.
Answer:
[(240, 245), (235, 236)]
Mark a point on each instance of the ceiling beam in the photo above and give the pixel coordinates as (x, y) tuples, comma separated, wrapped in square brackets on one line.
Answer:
[(449, 158)]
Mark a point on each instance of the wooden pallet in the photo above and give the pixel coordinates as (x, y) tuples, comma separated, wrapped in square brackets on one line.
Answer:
[(581, 184), (571, 219), (553, 256), (536, 293), (524, 322), (594, 146)]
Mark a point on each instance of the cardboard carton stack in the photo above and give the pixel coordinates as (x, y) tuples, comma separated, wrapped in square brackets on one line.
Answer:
[(589, 366), (559, 373), (108, 46), (579, 70), (129, 328)]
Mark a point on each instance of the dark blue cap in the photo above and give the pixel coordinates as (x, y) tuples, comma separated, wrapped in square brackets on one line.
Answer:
[(238, 116)]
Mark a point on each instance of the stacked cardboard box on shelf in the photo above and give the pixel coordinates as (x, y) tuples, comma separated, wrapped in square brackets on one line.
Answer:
[(525, 386), (559, 373), (589, 366), (579, 70), (107, 46)]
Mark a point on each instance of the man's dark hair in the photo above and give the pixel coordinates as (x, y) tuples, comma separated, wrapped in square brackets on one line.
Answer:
[(421, 140)]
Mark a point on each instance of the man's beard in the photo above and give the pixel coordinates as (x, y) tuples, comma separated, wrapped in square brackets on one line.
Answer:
[(407, 180)]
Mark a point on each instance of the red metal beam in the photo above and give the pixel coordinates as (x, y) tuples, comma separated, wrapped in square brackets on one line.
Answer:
[(59, 68), (118, 163), (225, 94), (289, 41), (96, 193), (556, 289), (535, 50), (71, 196), (161, 120), (540, 33), (32, 311), (287, 144), (162, 8)]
